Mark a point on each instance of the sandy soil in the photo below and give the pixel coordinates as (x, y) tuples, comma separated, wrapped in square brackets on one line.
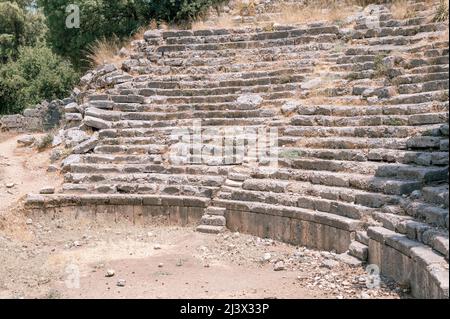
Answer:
[(44, 258), (23, 167)]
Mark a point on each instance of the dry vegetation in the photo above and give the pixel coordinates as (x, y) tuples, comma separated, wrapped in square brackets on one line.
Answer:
[(103, 51)]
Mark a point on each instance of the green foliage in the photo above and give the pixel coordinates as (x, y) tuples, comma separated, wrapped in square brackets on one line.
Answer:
[(105, 18), (19, 27), (380, 68), (36, 75)]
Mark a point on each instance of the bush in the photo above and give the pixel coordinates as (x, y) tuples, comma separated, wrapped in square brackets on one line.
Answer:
[(18, 27), (38, 74)]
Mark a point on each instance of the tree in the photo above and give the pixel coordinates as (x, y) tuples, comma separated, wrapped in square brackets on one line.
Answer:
[(37, 74), (18, 27)]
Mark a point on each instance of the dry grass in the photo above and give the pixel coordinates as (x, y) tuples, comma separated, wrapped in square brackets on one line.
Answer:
[(315, 11), (222, 22), (246, 8), (441, 12), (104, 51), (401, 9)]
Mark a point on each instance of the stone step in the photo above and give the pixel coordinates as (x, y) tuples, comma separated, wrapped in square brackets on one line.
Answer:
[(436, 238), (371, 110), (196, 107), (120, 159), (237, 34), (180, 124), (361, 155), (161, 117), (259, 85), (215, 172), (115, 187), (344, 209), (294, 39), (359, 251), (370, 120), (130, 149), (437, 195), (404, 31), (424, 87), (420, 78), (362, 132), (427, 69), (399, 171), (388, 186), (349, 142), (332, 220), (361, 237), (207, 229), (69, 200), (215, 211), (213, 220), (432, 215), (342, 194)]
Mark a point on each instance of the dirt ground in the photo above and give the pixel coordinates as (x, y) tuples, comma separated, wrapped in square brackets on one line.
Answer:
[(43, 258)]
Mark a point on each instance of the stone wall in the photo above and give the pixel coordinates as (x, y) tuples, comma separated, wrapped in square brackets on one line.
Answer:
[(42, 117)]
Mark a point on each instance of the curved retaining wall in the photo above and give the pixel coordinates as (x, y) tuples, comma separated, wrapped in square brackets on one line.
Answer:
[(408, 262), (139, 209)]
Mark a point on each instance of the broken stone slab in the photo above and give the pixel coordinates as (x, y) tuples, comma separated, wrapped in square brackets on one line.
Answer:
[(289, 107), (349, 260), (25, 141), (96, 123), (71, 159), (87, 145), (249, 101), (73, 117), (72, 108)]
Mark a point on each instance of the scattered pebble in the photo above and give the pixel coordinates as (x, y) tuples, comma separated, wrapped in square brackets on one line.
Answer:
[(279, 266), (121, 283), (110, 273)]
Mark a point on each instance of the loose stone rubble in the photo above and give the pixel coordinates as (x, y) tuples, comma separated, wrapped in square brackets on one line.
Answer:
[(361, 113)]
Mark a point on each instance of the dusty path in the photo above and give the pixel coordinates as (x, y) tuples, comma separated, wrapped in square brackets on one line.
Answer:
[(24, 168), (68, 259)]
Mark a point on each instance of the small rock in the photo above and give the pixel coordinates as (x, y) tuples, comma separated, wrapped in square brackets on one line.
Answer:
[(161, 265), (121, 283), (26, 141), (329, 263), (10, 185), (279, 266), (52, 168), (416, 194), (110, 273), (76, 243), (29, 221), (157, 247), (364, 296), (267, 257), (47, 190)]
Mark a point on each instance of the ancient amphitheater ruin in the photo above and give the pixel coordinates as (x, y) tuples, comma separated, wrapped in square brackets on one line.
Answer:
[(324, 135)]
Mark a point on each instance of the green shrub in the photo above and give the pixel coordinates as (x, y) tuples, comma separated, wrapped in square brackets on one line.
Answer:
[(441, 12), (18, 27), (38, 74)]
